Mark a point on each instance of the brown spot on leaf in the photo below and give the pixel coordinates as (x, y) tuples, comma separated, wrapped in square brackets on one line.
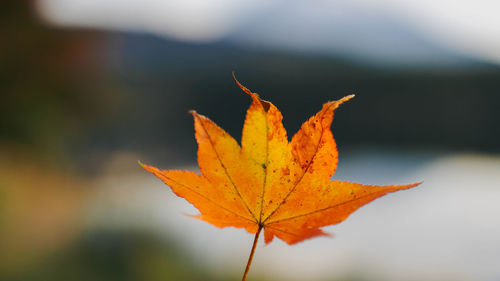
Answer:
[(265, 104), (285, 171)]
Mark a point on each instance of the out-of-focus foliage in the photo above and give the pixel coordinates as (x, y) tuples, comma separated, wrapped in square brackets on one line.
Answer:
[(116, 255), (51, 81), (41, 210)]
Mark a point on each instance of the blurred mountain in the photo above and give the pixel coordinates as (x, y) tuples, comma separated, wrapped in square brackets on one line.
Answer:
[(85, 93), (346, 29), (412, 33), (437, 107)]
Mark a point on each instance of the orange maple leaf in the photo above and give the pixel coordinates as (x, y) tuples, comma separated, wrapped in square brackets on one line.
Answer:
[(268, 182)]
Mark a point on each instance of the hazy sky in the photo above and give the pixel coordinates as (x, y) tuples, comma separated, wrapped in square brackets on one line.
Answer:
[(470, 27)]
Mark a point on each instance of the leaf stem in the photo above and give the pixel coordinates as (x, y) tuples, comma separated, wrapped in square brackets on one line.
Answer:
[(251, 253)]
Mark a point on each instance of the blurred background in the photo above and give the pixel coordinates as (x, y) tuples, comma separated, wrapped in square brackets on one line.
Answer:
[(89, 87)]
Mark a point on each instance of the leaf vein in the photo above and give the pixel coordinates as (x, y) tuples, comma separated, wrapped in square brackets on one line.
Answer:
[(327, 208), (303, 174), (210, 200), (227, 172), (281, 230), (266, 171)]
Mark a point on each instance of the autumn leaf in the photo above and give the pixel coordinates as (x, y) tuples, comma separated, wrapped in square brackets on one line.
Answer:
[(268, 182)]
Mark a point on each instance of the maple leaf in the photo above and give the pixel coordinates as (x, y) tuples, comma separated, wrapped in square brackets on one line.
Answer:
[(269, 182)]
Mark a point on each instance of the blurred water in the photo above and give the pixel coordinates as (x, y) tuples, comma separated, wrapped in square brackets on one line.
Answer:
[(447, 228)]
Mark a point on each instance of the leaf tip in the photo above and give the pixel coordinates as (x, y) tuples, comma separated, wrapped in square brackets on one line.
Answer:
[(332, 105), (245, 89), (415, 184), (195, 115), (146, 167), (199, 217), (344, 99)]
